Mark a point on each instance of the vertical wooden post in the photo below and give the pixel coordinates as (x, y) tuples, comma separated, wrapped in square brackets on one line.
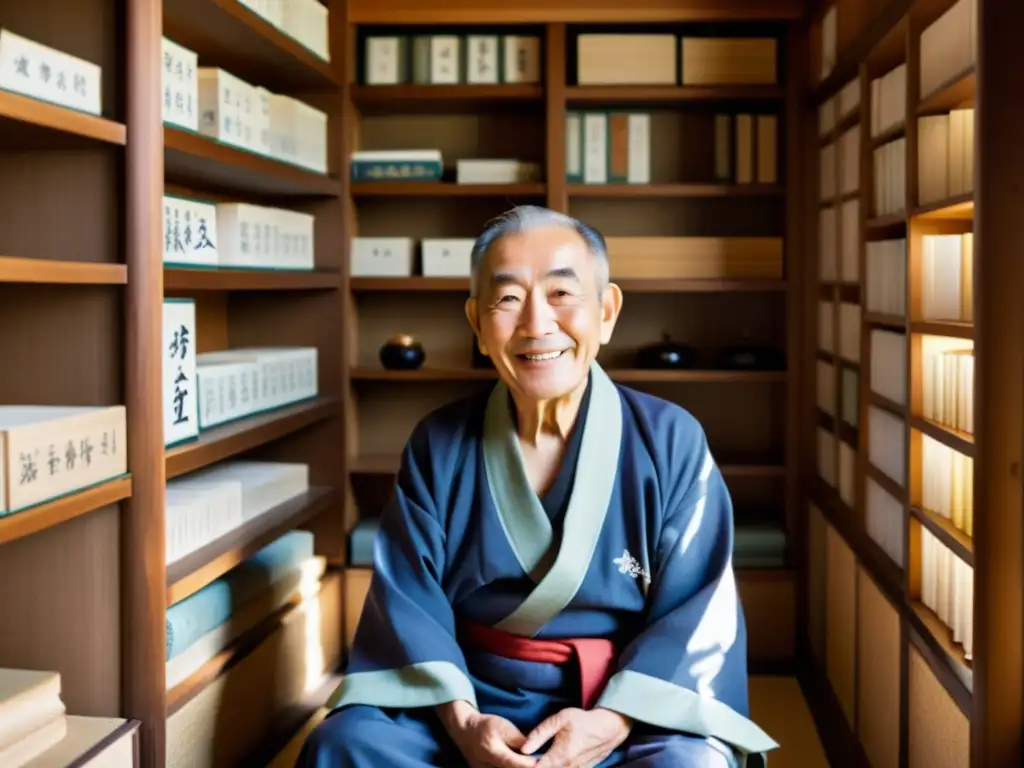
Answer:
[(554, 98), (799, 363), (999, 388), (143, 566)]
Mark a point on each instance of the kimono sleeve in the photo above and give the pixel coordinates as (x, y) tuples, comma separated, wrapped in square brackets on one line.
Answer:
[(686, 671), (405, 653)]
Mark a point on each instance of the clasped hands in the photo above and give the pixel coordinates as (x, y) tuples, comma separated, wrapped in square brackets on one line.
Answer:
[(579, 738)]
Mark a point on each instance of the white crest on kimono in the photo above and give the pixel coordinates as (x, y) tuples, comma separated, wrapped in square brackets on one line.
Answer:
[(631, 566)]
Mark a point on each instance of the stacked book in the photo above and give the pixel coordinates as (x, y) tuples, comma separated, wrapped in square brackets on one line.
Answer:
[(451, 59), (205, 505), (305, 21), (205, 623), (217, 104), (198, 233), (36, 732), (48, 451)]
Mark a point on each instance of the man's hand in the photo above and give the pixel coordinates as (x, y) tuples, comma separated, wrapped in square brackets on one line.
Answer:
[(486, 741), (582, 738)]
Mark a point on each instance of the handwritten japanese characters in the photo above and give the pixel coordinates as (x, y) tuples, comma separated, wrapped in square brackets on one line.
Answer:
[(180, 396), (180, 81), (190, 232), (44, 73), (50, 451)]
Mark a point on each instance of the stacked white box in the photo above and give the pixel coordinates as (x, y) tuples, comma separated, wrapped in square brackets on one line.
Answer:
[(268, 238), (180, 86)]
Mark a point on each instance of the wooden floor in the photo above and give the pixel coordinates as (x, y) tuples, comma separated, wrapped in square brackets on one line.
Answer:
[(776, 704)]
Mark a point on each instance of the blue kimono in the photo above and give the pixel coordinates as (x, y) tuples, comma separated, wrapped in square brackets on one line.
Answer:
[(632, 543)]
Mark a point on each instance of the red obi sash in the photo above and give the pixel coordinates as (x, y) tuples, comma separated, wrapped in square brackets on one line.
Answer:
[(594, 655)]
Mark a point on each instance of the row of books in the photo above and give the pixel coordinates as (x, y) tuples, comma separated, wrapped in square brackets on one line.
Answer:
[(198, 233), (884, 520), (947, 483), (885, 262), (949, 46), (36, 731), (839, 242), (202, 391), (846, 317), (221, 106), (945, 151), (838, 107), (890, 180), (40, 72), (667, 59), (889, 100), (418, 165), (887, 442), (305, 21), (947, 589), (450, 59), (947, 382), (837, 462), (204, 505), (839, 166), (947, 286), (889, 365), (848, 406)]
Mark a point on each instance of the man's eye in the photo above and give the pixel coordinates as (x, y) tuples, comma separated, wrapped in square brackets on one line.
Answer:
[(507, 298)]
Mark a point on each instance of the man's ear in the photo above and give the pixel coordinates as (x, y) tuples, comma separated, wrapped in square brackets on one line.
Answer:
[(611, 306), (473, 316)]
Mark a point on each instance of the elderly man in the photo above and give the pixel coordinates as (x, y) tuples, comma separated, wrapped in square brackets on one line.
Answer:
[(553, 580)]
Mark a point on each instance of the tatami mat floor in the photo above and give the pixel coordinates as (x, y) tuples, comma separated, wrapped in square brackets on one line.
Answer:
[(776, 703)]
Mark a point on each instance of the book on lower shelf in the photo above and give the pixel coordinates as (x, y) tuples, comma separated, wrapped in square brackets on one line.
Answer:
[(237, 383), (37, 732), (49, 451), (209, 503)]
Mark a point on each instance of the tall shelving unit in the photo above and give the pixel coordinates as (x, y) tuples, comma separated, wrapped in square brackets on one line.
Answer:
[(82, 283), (914, 534), (751, 416)]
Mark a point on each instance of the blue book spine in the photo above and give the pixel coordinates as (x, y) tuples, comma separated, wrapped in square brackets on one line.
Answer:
[(396, 171)]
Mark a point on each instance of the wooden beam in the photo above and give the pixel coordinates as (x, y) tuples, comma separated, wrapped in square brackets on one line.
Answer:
[(569, 11)]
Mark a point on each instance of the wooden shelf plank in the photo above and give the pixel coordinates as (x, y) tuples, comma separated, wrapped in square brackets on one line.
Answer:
[(27, 123), (949, 328), (412, 98), (14, 269), (959, 208), (669, 94), (625, 375), (227, 34), (198, 279), (229, 440), (628, 284), (956, 93), (191, 159), (52, 513), (888, 221), (962, 442), (951, 537), (193, 572), (889, 134), (444, 189), (194, 684), (896, 322), (675, 190), (886, 404)]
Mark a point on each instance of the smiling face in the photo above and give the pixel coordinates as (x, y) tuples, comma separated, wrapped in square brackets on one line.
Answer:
[(540, 314)]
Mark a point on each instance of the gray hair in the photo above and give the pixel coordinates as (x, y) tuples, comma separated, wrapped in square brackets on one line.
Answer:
[(526, 217)]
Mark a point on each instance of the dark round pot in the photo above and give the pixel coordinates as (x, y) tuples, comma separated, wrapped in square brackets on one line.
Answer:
[(402, 353), (666, 355)]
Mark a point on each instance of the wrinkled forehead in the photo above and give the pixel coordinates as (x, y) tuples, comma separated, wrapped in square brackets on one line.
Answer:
[(537, 253)]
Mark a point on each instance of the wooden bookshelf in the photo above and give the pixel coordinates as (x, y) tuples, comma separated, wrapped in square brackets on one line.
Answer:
[(81, 290), (750, 416), (887, 512)]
